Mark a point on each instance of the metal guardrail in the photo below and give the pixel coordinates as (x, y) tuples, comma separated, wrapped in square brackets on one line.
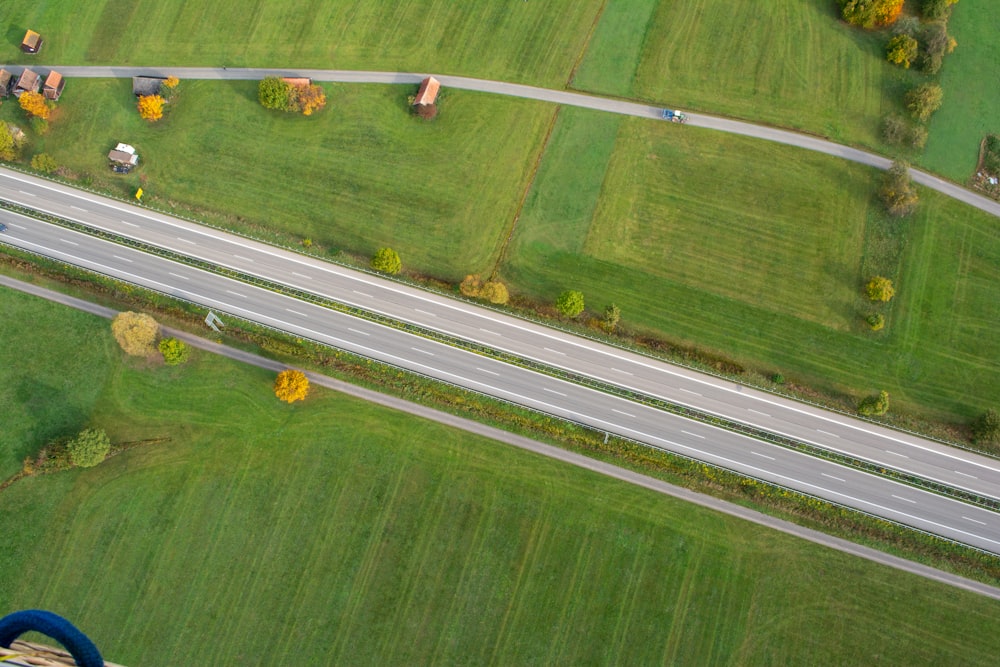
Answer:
[(509, 358)]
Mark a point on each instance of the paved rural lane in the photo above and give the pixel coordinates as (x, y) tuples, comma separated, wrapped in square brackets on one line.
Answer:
[(563, 97), (613, 366), (875, 495), (601, 467)]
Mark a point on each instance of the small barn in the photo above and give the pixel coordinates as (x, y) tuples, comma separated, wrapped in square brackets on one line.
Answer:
[(28, 82), (54, 84), (6, 82), (428, 92), (32, 42), (146, 85), (297, 82)]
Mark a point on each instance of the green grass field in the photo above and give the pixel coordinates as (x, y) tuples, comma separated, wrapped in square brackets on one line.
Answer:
[(535, 42), (784, 62), (358, 175), (338, 532), (971, 93), (758, 252)]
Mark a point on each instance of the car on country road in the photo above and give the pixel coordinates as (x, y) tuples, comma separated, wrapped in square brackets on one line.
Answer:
[(3, 227)]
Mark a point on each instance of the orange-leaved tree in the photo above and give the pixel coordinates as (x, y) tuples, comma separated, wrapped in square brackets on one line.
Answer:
[(171, 82), (291, 386), (35, 105), (151, 107)]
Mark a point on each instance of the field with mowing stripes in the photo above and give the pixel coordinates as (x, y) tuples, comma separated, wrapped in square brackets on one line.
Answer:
[(337, 532), (758, 252), (535, 42), (358, 175)]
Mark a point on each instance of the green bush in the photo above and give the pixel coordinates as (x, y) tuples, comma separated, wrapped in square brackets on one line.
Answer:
[(874, 406), (986, 429), (935, 10), (89, 448), (570, 303), (387, 261), (880, 288), (273, 93), (901, 50), (876, 321), (44, 163), (174, 351)]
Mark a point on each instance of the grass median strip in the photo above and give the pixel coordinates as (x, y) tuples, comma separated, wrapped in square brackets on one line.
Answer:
[(487, 351)]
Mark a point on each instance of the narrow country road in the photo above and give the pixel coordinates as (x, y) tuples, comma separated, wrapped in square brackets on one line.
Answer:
[(563, 97), (549, 451)]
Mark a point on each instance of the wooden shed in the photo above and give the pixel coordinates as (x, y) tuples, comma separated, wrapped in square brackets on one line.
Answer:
[(28, 82), (146, 85), (53, 87), (32, 42), (6, 82), (428, 92)]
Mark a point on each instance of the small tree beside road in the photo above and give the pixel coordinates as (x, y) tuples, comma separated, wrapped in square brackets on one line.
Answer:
[(136, 333), (896, 191), (386, 260), (291, 386), (570, 303)]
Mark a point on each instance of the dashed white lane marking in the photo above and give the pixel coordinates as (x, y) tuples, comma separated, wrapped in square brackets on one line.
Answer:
[(362, 294), (417, 349), (77, 208), (981, 523), (124, 259), (618, 370), (244, 259), (181, 238), (15, 225), (295, 312), (832, 477), (897, 454), (689, 391), (424, 312), (242, 296), (30, 194), (762, 455), (832, 435), (965, 474), (553, 391), (549, 349), (902, 498), (301, 275), (363, 333), (622, 413), (130, 224), (763, 414), (693, 435), (494, 333), (490, 372), (177, 275), (69, 242)]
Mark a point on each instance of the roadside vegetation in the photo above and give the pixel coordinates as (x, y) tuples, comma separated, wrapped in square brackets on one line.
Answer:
[(250, 500)]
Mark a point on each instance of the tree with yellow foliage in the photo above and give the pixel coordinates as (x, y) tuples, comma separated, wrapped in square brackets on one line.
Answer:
[(136, 333), (291, 386), (151, 107), (34, 104)]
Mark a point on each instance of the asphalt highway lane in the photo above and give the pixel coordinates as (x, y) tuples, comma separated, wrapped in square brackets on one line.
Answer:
[(874, 495)]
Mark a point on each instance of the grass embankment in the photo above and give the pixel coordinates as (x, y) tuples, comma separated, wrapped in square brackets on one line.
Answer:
[(358, 175), (971, 95), (534, 42), (371, 537), (758, 252)]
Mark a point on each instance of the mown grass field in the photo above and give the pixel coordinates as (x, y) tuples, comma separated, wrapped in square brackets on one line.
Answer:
[(971, 107), (337, 532), (784, 62), (534, 42), (358, 175), (758, 252)]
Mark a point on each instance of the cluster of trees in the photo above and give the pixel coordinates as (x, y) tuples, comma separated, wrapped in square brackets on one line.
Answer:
[(138, 335), (493, 291), (870, 13), (151, 106), (874, 406), (276, 93), (38, 110), (11, 141), (921, 101)]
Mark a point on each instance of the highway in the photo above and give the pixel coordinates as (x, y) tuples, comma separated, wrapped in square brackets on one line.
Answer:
[(567, 98), (926, 511), (614, 366)]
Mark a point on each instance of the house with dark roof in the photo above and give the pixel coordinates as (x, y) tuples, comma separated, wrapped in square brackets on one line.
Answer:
[(28, 82), (428, 92), (146, 85), (53, 87), (32, 42), (6, 82)]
